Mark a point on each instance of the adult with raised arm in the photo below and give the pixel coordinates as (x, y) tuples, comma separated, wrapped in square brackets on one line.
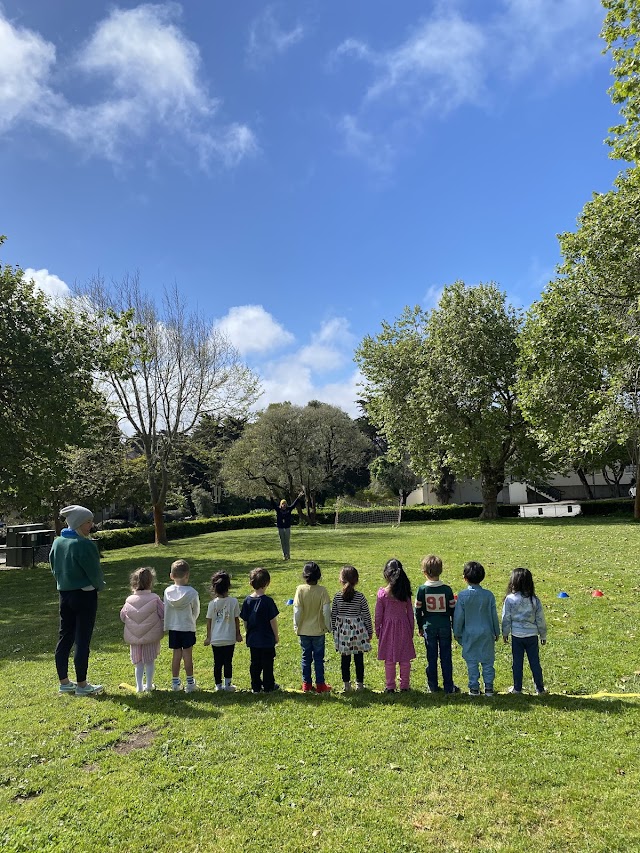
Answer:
[(283, 522), (75, 564)]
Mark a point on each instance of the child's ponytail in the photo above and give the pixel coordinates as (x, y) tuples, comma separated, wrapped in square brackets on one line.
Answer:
[(348, 578)]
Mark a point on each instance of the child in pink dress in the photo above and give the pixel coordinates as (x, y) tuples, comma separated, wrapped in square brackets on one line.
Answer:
[(143, 617), (394, 622)]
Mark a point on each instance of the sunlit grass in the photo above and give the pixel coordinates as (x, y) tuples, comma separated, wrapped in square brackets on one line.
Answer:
[(362, 772)]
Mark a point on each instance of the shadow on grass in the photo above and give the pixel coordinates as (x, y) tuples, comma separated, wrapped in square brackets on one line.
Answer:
[(208, 703)]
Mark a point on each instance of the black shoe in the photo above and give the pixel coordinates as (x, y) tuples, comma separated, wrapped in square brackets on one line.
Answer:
[(455, 690)]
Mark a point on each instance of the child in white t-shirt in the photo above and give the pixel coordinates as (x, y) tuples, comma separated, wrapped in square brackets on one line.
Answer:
[(223, 629)]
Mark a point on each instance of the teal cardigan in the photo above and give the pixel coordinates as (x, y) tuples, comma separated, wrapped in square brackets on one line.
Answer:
[(75, 562)]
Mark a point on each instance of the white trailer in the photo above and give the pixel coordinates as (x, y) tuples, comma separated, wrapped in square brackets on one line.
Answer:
[(556, 509)]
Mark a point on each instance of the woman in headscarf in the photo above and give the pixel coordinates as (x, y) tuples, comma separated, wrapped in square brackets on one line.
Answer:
[(75, 564)]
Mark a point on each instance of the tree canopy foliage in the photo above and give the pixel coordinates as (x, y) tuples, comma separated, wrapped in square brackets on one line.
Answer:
[(316, 448), (621, 31), (441, 386), (46, 391)]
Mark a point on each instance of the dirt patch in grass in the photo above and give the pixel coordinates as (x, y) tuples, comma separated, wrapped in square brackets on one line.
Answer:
[(139, 739), (23, 795)]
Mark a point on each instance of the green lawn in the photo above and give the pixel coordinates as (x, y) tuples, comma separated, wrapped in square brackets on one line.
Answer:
[(362, 772)]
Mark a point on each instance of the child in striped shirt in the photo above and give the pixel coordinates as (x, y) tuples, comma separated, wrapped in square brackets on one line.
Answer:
[(351, 626)]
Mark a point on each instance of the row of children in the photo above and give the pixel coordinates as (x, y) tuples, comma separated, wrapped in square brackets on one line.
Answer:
[(472, 614)]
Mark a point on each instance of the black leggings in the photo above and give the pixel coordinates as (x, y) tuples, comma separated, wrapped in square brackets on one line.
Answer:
[(222, 658), (77, 617), (345, 664)]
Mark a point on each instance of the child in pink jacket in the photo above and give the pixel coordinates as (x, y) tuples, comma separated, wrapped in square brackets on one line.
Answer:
[(143, 617)]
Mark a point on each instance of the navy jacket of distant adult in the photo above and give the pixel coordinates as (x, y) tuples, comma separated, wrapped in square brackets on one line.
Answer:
[(283, 516)]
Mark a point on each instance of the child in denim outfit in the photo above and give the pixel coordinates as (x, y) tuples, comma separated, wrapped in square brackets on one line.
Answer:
[(476, 628), (522, 617)]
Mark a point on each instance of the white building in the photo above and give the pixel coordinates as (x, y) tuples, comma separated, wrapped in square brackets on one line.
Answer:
[(563, 487)]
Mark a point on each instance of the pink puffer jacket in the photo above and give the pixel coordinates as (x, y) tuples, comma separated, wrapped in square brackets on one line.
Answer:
[(142, 615)]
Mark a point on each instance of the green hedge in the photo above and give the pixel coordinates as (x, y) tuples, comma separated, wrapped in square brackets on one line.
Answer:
[(608, 506), (109, 540)]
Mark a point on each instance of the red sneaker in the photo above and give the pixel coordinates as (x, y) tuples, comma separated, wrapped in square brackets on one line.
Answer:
[(307, 687), (323, 688)]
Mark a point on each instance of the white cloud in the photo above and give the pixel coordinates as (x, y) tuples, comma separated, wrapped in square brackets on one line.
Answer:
[(450, 60), (292, 382), (268, 39), (330, 348), (432, 296), (251, 329), (561, 34), (149, 74), (49, 283), (26, 60)]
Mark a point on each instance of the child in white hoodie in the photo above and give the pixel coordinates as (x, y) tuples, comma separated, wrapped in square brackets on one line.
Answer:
[(181, 609), (142, 614)]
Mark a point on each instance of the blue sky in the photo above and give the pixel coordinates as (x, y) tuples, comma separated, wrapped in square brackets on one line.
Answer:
[(303, 170)]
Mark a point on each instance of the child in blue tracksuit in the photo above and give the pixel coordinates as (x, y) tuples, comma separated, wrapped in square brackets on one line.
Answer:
[(476, 628)]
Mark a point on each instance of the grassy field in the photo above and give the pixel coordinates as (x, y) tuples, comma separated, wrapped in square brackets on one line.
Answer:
[(357, 772)]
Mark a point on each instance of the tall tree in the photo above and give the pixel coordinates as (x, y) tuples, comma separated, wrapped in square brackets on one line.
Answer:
[(46, 394), (395, 476), (316, 448), (441, 386), (168, 367), (573, 383), (621, 32)]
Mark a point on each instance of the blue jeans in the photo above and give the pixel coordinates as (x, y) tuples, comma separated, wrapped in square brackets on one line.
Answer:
[(520, 645), (312, 649), (488, 674), (438, 641)]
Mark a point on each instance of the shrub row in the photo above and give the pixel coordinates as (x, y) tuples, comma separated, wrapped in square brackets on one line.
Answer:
[(111, 539)]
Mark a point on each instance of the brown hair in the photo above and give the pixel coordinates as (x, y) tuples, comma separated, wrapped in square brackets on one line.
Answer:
[(180, 569), (142, 579), (432, 566), (259, 578), (348, 578)]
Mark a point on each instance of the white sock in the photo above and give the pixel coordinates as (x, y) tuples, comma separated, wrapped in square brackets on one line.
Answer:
[(150, 669), (227, 682), (139, 673)]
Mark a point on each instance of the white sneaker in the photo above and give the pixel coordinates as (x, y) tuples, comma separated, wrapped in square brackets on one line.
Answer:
[(230, 688), (513, 690), (189, 688), (347, 687), (359, 685), (176, 685)]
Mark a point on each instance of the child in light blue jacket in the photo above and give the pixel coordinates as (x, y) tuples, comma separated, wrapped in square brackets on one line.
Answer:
[(476, 628), (522, 617)]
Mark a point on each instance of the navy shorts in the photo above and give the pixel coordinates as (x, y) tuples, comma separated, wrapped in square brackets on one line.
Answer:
[(182, 639)]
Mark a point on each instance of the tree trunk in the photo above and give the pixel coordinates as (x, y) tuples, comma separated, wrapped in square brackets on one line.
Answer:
[(311, 503), (445, 485), (636, 504), (492, 482), (585, 483), (158, 501), (158, 523)]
